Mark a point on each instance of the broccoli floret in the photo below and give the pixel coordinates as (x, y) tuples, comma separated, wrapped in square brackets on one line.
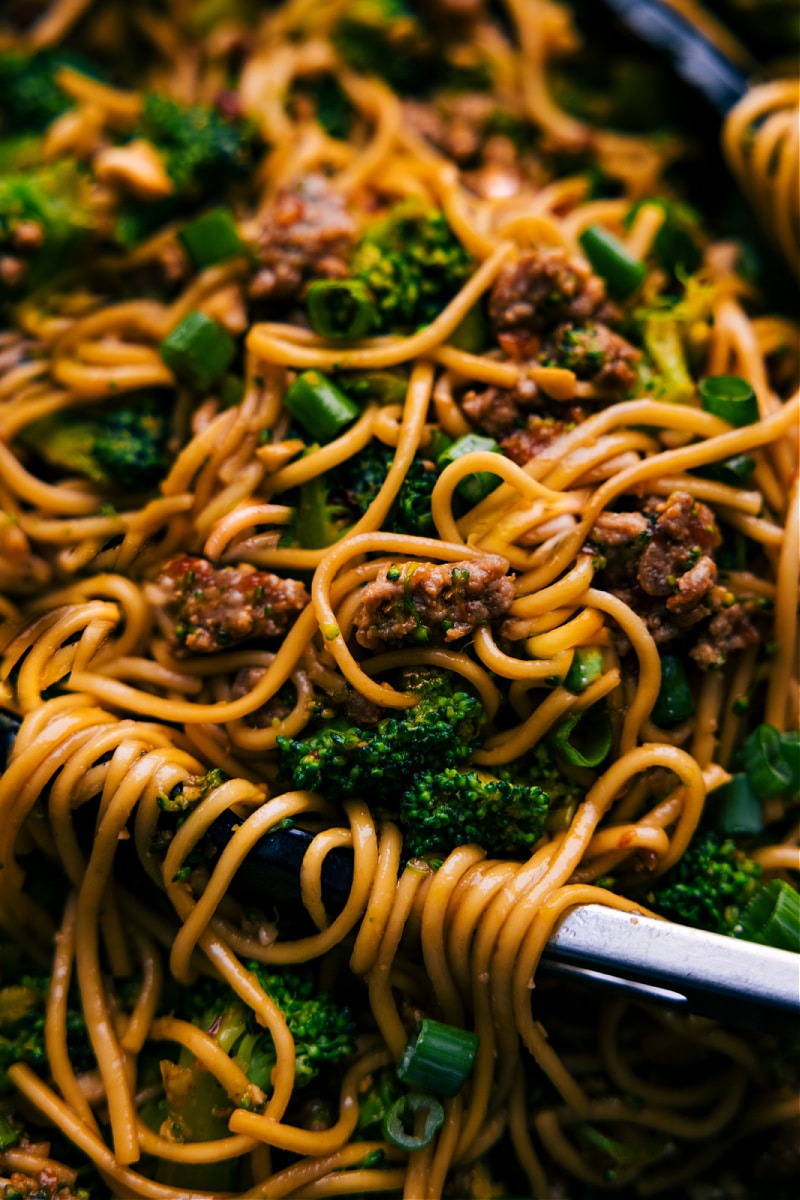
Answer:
[(384, 38), (710, 885), (374, 1103), (116, 447), (342, 760), (540, 768), (202, 151), (444, 809), (355, 485), (23, 1002), (412, 264), (45, 214), (30, 98), (323, 1030)]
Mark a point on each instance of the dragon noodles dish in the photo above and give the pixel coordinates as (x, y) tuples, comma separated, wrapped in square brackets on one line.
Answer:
[(398, 548)]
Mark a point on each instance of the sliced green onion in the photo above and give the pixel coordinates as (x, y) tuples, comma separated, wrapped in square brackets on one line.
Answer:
[(674, 702), (402, 1114), (476, 487), (790, 748), (583, 739), (198, 351), (212, 238), (768, 767), (772, 918), (738, 807), (341, 308), (609, 258), (320, 406), (586, 666), (735, 470), (439, 1059), (729, 397), (9, 1136)]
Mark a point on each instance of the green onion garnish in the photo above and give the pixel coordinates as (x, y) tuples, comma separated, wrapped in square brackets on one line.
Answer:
[(735, 470), (401, 1116), (341, 308), (586, 666), (609, 258), (767, 762), (674, 702), (320, 406), (583, 739), (729, 397), (439, 1059), (198, 351), (473, 488), (738, 807), (212, 238), (772, 918)]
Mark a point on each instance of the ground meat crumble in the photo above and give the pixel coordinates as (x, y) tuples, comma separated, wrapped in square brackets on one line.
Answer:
[(203, 608), (432, 603), (660, 561), (307, 234)]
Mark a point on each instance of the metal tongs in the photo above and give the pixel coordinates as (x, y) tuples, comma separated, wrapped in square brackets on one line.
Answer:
[(730, 980), (733, 981)]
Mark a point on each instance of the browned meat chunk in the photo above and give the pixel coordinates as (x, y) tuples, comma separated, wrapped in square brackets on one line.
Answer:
[(538, 291), (44, 1186), (496, 411), (432, 603), (306, 235), (675, 562), (729, 629), (524, 444), (613, 529), (594, 352), (456, 124), (202, 608), (661, 563)]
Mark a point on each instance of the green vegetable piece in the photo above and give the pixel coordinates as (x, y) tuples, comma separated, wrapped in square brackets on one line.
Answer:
[(319, 522), (609, 258), (729, 397), (676, 244), (710, 885), (674, 702), (212, 238), (199, 351), (472, 333), (9, 1136), (320, 406), (768, 767), (583, 739), (402, 1114), (663, 343), (30, 98), (447, 808), (790, 747), (586, 666), (341, 309), (772, 918), (478, 486), (735, 471), (439, 1059), (738, 808)]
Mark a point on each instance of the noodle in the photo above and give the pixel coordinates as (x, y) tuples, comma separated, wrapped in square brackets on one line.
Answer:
[(395, 470)]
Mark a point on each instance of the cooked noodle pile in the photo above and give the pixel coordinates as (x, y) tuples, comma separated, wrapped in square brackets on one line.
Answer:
[(352, 369)]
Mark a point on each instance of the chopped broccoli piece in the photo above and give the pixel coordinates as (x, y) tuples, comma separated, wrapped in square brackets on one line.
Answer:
[(384, 38), (710, 885), (342, 760), (444, 809), (356, 484), (412, 264), (23, 1001), (332, 106), (122, 447), (45, 214), (373, 1104), (202, 151), (324, 1031), (30, 98)]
